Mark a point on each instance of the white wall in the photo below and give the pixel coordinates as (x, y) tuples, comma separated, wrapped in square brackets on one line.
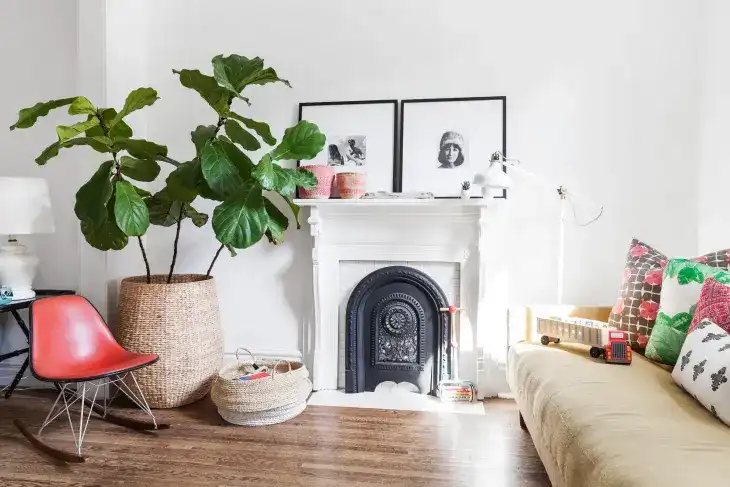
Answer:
[(714, 163), (39, 59), (601, 97)]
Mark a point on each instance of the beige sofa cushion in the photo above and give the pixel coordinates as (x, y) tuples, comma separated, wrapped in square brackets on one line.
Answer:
[(596, 424)]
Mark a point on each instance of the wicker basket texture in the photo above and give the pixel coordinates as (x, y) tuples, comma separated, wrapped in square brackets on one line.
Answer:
[(268, 400), (180, 322)]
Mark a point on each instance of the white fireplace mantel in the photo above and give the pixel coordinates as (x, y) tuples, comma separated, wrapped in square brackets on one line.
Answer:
[(408, 230)]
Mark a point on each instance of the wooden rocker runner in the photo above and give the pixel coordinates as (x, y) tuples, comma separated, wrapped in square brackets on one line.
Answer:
[(71, 346)]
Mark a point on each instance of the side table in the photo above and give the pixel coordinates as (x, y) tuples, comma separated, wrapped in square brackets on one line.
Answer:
[(13, 307)]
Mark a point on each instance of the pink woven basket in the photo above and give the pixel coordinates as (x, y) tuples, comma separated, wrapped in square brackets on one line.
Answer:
[(325, 176), (351, 185)]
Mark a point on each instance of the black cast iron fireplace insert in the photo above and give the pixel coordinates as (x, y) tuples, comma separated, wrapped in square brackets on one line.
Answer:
[(396, 331)]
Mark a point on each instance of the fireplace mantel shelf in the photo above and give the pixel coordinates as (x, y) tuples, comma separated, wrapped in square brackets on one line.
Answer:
[(440, 202)]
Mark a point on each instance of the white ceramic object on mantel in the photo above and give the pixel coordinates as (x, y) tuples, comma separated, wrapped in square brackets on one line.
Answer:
[(25, 208)]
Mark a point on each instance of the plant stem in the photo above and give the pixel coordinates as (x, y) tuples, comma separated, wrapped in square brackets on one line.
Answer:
[(169, 160), (177, 239), (210, 269), (146, 262)]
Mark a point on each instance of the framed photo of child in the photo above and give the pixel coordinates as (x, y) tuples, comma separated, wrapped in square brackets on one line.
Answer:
[(446, 141)]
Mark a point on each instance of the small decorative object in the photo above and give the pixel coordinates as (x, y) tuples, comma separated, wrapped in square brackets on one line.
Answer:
[(457, 391), (351, 185), (604, 340), (265, 398), (26, 209), (360, 137), (465, 188), (445, 141), (389, 195), (325, 178), (6, 294)]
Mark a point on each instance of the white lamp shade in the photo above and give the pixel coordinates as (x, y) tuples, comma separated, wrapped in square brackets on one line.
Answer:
[(25, 206), (494, 177)]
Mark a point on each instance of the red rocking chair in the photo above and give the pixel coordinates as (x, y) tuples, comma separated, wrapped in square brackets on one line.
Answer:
[(71, 346)]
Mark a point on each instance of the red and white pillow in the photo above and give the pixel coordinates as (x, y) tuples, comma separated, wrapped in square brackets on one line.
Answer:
[(714, 304), (636, 308)]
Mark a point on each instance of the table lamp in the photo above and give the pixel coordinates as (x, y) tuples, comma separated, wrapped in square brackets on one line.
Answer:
[(25, 208)]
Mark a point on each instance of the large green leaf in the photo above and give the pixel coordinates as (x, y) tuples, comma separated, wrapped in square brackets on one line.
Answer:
[(241, 220), (139, 169), (137, 99), (262, 77), (130, 210), (238, 158), (216, 96), (201, 135), (163, 209), (99, 144), (305, 178), (27, 117), (303, 141), (81, 106), (104, 235), (295, 209), (140, 148), (261, 128), (232, 71), (667, 337), (198, 219), (182, 183), (92, 197), (120, 131), (264, 173), (219, 171), (278, 223), (241, 136), (66, 132)]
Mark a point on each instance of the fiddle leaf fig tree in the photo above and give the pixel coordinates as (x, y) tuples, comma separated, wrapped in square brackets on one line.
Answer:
[(111, 207)]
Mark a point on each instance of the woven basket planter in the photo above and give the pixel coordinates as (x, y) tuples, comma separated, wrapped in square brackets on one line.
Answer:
[(180, 322)]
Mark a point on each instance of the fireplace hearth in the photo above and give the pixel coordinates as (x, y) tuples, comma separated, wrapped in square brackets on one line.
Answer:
[(396, 331)]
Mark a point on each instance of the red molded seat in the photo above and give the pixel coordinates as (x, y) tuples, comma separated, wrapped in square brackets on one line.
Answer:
[(70, 342)]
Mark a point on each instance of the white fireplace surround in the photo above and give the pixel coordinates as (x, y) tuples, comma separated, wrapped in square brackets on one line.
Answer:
[(413, 231)]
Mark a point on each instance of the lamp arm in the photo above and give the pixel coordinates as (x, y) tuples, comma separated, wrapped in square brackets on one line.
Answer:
[(562, 191)]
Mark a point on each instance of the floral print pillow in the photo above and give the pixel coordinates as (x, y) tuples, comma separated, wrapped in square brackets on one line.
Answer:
[(681, 289), (637, 306)]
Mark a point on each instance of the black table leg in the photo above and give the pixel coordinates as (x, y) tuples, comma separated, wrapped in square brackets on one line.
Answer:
[(18, 376), (21, 323)]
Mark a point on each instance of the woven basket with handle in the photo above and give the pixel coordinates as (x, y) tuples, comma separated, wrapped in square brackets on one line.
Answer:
[(180, 322), (268, 400)]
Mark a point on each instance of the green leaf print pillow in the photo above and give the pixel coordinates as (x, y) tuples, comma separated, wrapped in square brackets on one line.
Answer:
[(681, 288)]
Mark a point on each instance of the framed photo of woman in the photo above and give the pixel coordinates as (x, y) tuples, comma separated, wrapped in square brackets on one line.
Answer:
[(361, 137), (446, 141)]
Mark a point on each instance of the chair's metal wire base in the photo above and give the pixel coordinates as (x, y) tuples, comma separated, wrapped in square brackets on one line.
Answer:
[(85, 394)]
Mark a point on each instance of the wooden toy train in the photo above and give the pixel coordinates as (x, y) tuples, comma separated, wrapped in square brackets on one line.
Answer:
[(607, 342)]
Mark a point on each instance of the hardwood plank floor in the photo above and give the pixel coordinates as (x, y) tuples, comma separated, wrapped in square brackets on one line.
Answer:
[(324, 446)]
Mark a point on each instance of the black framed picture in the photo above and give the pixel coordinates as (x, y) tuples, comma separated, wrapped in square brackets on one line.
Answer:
[(446, 141), (361, 137)]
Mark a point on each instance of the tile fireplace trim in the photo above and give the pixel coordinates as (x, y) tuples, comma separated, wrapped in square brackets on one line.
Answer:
[(413, 231)]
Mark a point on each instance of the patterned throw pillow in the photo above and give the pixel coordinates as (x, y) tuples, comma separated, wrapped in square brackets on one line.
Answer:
[(637, 306), (703, 368), (714, 304), (681, 288)]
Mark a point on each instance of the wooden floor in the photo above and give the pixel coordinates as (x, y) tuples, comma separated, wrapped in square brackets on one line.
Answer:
[(323, 446)]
